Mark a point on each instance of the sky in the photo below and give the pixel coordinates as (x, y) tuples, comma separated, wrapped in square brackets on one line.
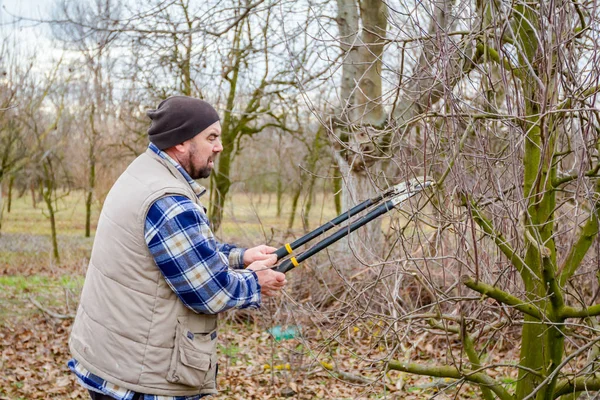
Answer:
[(27, 8), (29, 33), (32, 38)]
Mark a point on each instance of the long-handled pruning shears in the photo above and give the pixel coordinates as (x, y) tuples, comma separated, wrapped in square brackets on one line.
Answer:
[(392, 197)]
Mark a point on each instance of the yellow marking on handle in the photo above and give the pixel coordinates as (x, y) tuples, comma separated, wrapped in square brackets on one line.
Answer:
[(294, 261), (288, 248)]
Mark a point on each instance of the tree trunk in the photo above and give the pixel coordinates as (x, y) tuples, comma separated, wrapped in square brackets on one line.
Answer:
[(542, 342), (279, 178), (89, 200), (48, 188), (279, 193), (311, 166), (294, 207), (11, 183), (222, 185), (309, 200), (1, 205), (33, 194), (222, 182), (361, 111), (337, 190), (365, 242), (91, 171)]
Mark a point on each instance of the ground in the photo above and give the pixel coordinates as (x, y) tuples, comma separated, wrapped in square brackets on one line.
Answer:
[(39, 296)]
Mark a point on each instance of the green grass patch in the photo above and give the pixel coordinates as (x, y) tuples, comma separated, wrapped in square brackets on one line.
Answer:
[(70, 216), (39, 284), (230, 351), (58, 294)]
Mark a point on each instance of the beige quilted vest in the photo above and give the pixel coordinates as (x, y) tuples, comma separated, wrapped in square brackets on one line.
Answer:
[(131, 329)]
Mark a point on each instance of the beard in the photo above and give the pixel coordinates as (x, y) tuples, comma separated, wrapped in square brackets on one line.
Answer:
[(198, 171), (201, 173)]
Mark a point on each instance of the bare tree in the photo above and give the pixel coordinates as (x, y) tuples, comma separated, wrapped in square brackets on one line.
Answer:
[(13, 154), (253, 53), (41, 112), (497, 105), (85, 29)]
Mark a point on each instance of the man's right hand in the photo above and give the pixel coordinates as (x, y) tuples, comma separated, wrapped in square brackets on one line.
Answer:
[(271, 282)]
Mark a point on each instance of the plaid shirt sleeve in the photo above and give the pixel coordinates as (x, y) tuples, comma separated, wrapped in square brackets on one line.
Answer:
[(234, 254), (193, 263)]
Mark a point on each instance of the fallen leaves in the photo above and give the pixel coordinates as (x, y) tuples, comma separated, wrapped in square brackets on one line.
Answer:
[(33, 353), (252, 365)]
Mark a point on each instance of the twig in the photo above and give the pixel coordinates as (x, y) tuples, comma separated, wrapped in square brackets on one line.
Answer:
[(559, 367), (50, 313)]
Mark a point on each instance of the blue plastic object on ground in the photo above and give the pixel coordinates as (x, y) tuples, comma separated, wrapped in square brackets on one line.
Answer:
[(284, 333)]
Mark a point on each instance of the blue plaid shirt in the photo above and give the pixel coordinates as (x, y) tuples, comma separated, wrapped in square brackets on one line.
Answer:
[(194, 264)]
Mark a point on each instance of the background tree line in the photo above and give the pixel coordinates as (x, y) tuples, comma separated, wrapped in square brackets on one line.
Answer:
[(495, 102)]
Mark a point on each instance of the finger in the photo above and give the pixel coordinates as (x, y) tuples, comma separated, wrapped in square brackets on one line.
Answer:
[(279, 283), (270, 259), (267, 257), (280, 277)]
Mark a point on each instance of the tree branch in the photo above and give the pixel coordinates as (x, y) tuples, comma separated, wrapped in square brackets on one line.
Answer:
[(440, 371), (499, 239), (580, 384), (572, 312), (469, 348), (502, 297), (565, 179), (50, 313), (580, 248)]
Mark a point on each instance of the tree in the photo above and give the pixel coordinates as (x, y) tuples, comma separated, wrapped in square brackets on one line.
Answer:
[(41, 112), (362, 29), (499, 110), (248, 112), (86, 30), (13, 154)]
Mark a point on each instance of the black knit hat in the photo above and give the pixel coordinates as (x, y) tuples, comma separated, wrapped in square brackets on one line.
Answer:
[(179, 118)]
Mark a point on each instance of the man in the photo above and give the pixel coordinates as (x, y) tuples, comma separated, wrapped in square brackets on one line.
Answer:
[(146, 327)]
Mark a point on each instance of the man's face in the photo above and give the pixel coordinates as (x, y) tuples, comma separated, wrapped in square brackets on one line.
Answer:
[(202, 150)]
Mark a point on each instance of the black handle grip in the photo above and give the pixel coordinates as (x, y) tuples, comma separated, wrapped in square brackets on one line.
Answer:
[(284, 266), (287, 265), (281, 252)]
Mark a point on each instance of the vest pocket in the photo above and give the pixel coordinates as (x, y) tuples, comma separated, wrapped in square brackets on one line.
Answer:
[(192, 358)]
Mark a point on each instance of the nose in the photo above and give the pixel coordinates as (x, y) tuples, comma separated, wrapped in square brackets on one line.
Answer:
[(218, 146)]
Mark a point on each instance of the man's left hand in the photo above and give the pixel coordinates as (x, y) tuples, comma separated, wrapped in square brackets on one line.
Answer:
[(258, 253)]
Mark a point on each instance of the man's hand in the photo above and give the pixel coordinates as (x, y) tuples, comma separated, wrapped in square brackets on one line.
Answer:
[(271, 282), (258, 253)]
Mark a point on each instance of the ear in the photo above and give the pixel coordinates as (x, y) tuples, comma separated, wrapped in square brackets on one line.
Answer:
[(177, 150), (181, 148)]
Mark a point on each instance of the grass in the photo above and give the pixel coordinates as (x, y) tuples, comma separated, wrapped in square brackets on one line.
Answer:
[(37, 283), (70, 216), (25, 241), (57, 294), (252, 217), (27, 266)]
